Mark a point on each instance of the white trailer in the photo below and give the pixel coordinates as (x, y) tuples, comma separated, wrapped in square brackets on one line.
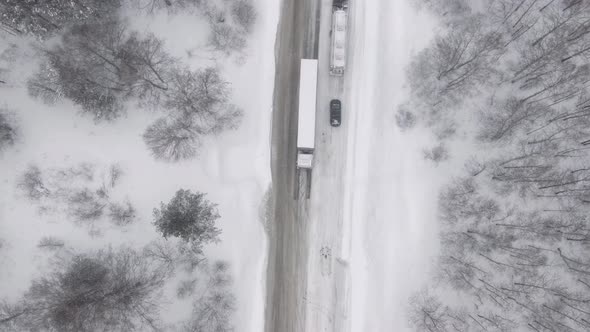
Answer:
[(338, 43), (307, 108)]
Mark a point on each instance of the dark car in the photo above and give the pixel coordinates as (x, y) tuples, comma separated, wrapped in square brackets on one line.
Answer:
[(335, 113)]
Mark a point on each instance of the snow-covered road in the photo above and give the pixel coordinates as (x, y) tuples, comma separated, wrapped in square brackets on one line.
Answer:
[(372, 209)]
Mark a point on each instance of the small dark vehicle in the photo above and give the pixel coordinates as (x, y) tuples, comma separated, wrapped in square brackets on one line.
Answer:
[(335, 113)]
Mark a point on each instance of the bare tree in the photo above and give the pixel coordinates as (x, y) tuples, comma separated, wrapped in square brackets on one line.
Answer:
[(101, 65), (175, 254), (115, 290), (503, 121), (31, 183), (171, 140), (213, 309), (457, 63), (427, 313), (202, 100), (44, 85), (9, 132), (10, 314), (244, 13)]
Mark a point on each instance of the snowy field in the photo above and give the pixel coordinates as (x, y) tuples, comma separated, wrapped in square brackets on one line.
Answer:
[(391, 221), (233, 168)]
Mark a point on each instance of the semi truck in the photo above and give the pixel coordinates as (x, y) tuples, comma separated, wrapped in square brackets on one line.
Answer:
[(338, 42), (307, 108)]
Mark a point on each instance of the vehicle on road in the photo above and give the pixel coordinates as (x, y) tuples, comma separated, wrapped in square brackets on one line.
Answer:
[(338, 42), (307, 111), (340, 4), (335, 113)]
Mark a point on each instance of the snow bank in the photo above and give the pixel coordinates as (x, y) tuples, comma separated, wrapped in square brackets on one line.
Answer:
[(393, 192)]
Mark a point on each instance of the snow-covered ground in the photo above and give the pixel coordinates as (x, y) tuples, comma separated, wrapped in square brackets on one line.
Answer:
[(372, 211), (391, 220), (393, 192), (233, 169)]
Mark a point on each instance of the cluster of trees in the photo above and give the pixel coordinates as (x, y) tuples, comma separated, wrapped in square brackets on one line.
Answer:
[(113, 290), (92, 57), (84, 195), (43, 19), (514, 228), (212, 310), (101, 65), (230, 21), (534, 50), (121, 289)]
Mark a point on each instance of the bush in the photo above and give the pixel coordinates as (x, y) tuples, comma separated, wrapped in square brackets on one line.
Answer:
[(436, 154), (405, 119), (244, 14), (8, 130), (121, 213), (85, 205), (31, 183), (50, 242), (186, 288)]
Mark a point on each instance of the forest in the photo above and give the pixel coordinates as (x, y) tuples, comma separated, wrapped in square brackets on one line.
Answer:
[(511, 77)]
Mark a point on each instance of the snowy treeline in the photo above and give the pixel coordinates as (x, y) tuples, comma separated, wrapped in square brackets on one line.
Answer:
[(515, 227)]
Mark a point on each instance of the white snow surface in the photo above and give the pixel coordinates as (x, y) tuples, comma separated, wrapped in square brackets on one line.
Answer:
[(390, 232), (233, 169), (372, 246)]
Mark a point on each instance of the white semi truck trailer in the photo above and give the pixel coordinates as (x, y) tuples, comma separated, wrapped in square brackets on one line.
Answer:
[(338, 42), (307, 108)]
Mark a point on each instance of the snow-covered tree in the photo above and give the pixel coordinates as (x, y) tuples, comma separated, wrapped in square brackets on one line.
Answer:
[(188, 216), (114, 290), (44, 18)]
